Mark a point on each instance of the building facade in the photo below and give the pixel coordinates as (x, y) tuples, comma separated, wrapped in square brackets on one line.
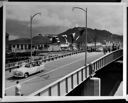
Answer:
[(24, 44)]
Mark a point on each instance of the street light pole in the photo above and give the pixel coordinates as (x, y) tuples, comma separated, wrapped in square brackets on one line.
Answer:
[(85, 11), (31, 18)]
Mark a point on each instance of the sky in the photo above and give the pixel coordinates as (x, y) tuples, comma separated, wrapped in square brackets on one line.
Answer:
[(56, 18)]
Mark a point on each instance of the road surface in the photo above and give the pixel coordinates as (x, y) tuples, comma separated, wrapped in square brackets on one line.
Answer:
[(53, 71)]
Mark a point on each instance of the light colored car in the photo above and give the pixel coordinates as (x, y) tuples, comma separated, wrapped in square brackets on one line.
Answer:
[(28, 69), (100, 49)]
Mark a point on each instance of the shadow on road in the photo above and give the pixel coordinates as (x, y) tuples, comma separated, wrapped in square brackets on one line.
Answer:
[(13, 78)]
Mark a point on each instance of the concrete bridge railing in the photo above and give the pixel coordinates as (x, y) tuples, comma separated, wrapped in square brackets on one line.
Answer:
[(66, 84)]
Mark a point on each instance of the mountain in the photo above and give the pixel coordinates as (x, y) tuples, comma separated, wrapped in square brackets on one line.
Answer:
[(93, 35), (73, 35)]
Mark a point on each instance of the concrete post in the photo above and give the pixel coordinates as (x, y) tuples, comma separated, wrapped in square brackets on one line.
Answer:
[(27, 46), (92, 87)]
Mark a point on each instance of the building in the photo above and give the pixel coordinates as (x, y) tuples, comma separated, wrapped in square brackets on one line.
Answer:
[(65, 46), (54, 47), (39, 43), (42, 43), (24, 44)]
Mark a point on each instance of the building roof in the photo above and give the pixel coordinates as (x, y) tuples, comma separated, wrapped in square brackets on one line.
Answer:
[(20, 41)]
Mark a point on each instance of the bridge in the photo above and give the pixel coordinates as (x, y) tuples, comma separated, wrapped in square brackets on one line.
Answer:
[(62, 76)]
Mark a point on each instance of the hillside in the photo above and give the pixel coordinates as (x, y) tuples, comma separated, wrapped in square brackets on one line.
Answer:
[(92, 35)]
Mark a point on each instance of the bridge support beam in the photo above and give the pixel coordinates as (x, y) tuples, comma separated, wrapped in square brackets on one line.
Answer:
[(92, 87)]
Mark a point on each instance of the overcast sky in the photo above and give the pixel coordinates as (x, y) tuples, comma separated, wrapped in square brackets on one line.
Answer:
[(58, 17)]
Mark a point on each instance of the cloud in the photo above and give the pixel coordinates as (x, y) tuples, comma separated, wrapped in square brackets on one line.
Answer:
[(21, 29), (56, 18), (15, 27), (46, 19), (104, 17), (13, 37)]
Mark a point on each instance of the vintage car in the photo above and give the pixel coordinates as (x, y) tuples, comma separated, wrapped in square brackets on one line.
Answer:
[(28, 69)]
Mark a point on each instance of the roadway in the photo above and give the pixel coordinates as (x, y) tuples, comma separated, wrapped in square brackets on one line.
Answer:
[(53, 71)]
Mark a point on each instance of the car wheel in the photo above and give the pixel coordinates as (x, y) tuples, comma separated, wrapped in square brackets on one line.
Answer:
[(26, 75)]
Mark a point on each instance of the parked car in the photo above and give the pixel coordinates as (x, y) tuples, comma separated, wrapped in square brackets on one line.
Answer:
[(28, 69), (100, 49)]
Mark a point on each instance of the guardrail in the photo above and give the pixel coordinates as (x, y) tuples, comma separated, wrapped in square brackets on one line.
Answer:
[(14, 65), (72, 80), (10, 66)]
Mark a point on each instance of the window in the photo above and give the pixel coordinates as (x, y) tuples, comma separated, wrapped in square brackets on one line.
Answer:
[(29, 46), (25, 46), (18, 46), (21, 46), (13, 46)]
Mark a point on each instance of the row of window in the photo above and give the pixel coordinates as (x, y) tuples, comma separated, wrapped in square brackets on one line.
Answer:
[(27, 46)]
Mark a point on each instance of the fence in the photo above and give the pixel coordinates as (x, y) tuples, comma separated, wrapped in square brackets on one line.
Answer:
[(66, 84)]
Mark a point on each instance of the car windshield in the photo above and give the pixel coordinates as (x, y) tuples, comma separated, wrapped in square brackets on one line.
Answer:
[(27, 65)]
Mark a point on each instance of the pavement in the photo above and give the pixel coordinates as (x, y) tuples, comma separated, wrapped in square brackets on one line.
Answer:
[(119, 91), (53, 71)]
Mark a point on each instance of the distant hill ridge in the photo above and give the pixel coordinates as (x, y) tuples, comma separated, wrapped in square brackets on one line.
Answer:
[(93, 35)]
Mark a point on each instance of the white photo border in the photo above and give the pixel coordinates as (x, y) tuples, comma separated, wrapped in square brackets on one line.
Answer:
[(54, 98)]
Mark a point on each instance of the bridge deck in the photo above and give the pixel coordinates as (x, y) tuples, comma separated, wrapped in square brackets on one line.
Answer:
[(53, 71)]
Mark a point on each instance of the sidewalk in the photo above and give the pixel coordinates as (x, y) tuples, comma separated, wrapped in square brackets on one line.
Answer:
[(119, 91)]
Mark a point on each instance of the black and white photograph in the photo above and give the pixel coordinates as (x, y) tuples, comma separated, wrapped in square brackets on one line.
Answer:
[(63, 49)]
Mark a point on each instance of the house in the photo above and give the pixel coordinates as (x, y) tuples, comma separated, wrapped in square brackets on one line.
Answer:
[(24, 44)]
